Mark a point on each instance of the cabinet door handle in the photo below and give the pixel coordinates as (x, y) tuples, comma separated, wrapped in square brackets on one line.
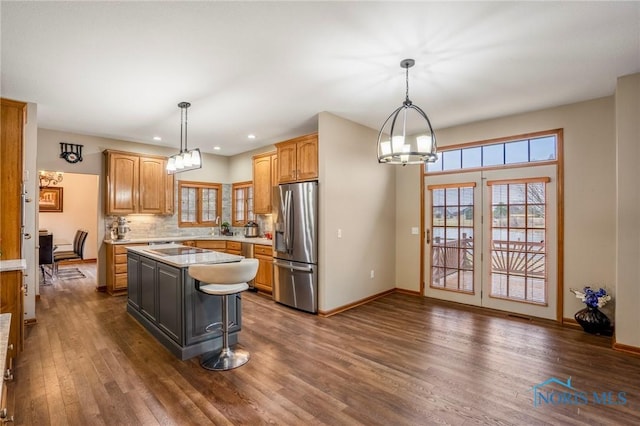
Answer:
[(27, 236), (8, 375)]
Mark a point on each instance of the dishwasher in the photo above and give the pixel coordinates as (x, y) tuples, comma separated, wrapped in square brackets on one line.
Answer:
[(247, 252)]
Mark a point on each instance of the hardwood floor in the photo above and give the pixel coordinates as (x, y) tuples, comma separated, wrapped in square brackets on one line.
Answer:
[(399, 360)]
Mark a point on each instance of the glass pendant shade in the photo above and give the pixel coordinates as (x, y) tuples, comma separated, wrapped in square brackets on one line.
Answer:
[(407, 137), (186, 159)]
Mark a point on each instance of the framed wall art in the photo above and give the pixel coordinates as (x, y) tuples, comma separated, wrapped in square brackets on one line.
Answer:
[(51, 200)]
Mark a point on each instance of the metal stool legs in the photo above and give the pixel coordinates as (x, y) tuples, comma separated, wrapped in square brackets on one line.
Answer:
[(228, 358)]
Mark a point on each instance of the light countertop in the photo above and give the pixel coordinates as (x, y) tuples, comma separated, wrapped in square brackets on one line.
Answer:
[(5, 323), (184, 260), (168, 239), (13, 265)]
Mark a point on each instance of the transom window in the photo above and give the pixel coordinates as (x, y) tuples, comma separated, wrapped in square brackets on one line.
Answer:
[(519, 151), (200, 203)]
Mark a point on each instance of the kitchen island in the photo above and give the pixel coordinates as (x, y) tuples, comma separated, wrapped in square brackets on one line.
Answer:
[(162, 297)]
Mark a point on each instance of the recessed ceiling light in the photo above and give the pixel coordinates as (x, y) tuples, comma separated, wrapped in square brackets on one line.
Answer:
[(157, 138), (251, 136), (217, 148)]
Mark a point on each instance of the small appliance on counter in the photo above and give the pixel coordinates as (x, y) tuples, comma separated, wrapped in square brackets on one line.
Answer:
[(251, 230), (119, 228)]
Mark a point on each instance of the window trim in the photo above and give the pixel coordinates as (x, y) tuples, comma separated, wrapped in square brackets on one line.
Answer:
[(199, 186)]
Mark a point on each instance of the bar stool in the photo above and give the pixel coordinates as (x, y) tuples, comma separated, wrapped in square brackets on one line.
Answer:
[(224, 279)]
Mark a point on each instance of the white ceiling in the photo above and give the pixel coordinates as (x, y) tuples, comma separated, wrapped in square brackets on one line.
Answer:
[(118, 70)]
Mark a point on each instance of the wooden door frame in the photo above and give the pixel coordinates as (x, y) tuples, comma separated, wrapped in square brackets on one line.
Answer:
[(559, 162)]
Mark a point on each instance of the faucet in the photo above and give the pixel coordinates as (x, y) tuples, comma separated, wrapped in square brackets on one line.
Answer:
[(219, 225)]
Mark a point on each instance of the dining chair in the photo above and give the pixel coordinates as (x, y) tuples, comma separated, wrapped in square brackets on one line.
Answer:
[(76, 254)]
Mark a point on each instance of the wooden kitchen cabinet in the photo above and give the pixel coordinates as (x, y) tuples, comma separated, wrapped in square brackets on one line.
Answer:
[(234, 247), (263, 280), (264, 175), (298, 159), (12, 302), (12, 129), (14, 117), (137, 184), (217, 245), (117, 268)]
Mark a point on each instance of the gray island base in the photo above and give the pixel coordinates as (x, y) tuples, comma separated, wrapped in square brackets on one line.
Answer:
[(162, 297)]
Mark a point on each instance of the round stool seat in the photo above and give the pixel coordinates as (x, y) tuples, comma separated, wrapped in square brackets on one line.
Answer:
[(225, 273), (222, 289)]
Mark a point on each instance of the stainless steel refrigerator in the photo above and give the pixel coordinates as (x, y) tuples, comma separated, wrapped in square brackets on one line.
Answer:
[(295, 249)]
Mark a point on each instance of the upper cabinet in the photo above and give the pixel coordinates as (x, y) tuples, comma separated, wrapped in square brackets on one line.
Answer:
[(265, 176), (298, 159), (137, 184)]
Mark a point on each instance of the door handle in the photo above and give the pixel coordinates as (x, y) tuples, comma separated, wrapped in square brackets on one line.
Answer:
[(428, 236), (27, 236), (292, 267)]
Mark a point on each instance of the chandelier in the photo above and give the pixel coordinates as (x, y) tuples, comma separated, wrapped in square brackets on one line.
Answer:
[(395, 146), (186, 159), (49, 178)]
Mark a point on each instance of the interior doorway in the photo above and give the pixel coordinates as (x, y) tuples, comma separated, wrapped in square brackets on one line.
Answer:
[(77, 209)]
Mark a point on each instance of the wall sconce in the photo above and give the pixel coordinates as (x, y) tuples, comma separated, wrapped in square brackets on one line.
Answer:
[(49, 178)]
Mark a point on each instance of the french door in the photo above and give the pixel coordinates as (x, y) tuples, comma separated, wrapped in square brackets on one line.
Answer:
[(491, 239)]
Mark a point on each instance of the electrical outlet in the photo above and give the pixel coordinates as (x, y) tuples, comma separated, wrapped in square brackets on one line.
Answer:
[(415, 230), (373, 274), (339, 233)]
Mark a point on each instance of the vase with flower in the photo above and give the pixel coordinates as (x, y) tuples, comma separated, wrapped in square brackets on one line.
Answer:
[(591, 318)]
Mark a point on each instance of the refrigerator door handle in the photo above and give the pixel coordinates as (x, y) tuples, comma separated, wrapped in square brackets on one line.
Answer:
[(293, 268), (288, 221)]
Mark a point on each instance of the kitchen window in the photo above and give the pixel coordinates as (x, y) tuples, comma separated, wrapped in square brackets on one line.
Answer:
[(200, 203), (242, 203)]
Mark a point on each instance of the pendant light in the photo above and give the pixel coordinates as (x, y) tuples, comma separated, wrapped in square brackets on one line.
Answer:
[(186, 159), (395, 146)]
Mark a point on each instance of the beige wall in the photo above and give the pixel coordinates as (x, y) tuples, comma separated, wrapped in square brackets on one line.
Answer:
[(241, 165), (356, 195), (590, 179), (628, 210), (407, 217), (79, 211)]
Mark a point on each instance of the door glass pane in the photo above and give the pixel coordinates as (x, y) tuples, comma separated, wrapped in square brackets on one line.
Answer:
[(452, 224), (518, 265)]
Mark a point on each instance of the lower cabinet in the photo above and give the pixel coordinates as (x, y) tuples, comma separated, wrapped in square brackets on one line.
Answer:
[(234, 247), (12, 302), (164, 299), (116, 258), (7, 371), (264, 277)]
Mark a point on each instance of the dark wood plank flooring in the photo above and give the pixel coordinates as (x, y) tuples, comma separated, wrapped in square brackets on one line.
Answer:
[(400, 360)]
